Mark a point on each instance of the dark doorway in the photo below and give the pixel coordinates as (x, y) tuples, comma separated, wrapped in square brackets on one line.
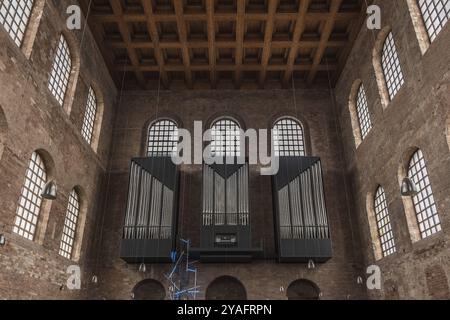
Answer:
[(226, 288), (149, 289), (303, 289)]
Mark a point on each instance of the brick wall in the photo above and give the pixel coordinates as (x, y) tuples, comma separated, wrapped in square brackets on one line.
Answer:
[(31, 119), (254, 109), (416, 118)]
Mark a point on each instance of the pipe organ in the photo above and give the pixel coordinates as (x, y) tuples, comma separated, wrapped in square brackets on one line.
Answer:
[(225, 234), (225, 196), (149, 226), (302, 223)]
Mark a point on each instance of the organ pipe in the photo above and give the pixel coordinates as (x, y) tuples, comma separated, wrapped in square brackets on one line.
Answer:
[(301, 206)]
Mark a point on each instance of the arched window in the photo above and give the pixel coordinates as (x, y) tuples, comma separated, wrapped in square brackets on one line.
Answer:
[(162, 138), (70, 225), (60, 75), (424, 204), (89, 116), (435, 15), (28, 209), (225, 138), (392, 70), (362, 109), (14, 16), (288, 138), (384, 227)]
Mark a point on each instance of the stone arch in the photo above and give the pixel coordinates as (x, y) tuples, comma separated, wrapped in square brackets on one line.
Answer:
[(44, 213), (3, 131), (74, 51), (225, 115), (378, 68), (370, 208), (408, 204), (419, 25), (82, 215), (32, 27), (149, 289), (226, 288), (150, 121), (356, 129), (301, 120), (98, 124), (303, 289)]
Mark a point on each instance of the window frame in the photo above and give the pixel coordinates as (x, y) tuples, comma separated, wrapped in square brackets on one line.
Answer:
[(362, 112), (30, 202), (426, 10), (424, 200), (18, 33), (231, 145), (61, 71), (90, 116), (162, 147), (300, 142), (70, 228), (394, 78), (383, 223)]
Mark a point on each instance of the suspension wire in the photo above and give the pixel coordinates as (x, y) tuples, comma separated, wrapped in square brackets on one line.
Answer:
[(341, 158)]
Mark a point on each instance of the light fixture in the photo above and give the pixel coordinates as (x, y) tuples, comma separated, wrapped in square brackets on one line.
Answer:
[(94, 279), (359, 280), (2, 240), (50, 190), (311, 264), (281, 289), (142, 268), (409, 188)]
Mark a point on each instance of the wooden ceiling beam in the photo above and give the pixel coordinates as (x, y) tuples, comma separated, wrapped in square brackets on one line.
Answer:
[(325, 35), (182, 35), (223, 17), (267, 46), (125, 32), (240, 29), (298, 31), (223, 67), (226, 44), (211, 42), (353, 34), (153, 32)]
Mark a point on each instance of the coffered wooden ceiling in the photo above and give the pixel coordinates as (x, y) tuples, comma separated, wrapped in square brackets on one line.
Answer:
[(224, 43)]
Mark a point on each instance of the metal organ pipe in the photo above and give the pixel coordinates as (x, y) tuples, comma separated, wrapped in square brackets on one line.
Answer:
[(301, 205)]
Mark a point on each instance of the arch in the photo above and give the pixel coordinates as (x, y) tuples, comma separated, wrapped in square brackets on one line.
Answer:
[(289, 138), (420, 210), (32, 210), (429, 18), (226, 288), (149, 289), (64, 77), (299, 118), (225, 137), (352, 98), (162, 137), (3, 131), (15, 16), (388, 70), (381, 232), (225, 115), (424, 203), (419, 25), (81, 223), (407, 201), (303, 289), (70, 225), (98, 124)]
